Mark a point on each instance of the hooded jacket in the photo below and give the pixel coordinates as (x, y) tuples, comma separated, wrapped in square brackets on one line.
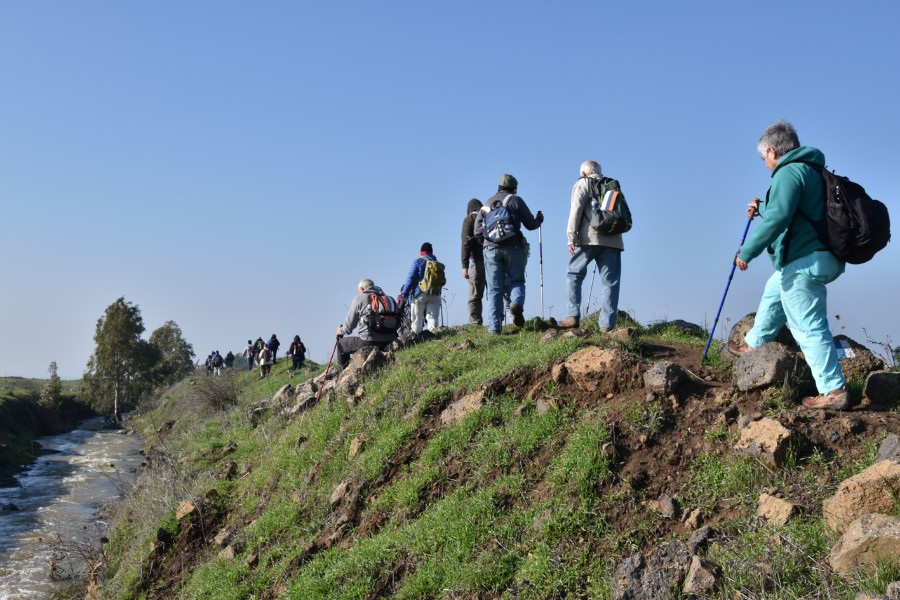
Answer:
[(471, 246), (796, 197)]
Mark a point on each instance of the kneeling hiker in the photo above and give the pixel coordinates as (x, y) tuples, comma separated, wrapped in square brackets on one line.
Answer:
[(378, 319), (422, 289)]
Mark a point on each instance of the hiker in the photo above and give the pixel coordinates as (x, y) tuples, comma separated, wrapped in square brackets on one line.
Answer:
[(209, 365), (217, 363), (795, 293), (588, 246), (265, 358), (499, 228), (297, 352), (473, 261), (273, 345), (250, 354), (422, 289), (229, 360), (372, 330)]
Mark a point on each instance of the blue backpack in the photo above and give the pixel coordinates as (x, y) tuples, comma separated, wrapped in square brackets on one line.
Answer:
[(499, 224)]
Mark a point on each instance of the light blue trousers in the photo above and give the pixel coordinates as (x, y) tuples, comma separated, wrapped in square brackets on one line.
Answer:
[(796, 296), (609, 263), (503, 267)]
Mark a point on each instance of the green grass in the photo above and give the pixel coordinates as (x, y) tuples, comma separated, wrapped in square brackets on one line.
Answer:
[(508, 503)]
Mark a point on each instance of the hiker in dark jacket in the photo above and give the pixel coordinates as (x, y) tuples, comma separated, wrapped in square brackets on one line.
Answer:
[(356, 316), (795, 294), (273, 345), (297, 352), (473, 261), (506, 258), (423, 307)]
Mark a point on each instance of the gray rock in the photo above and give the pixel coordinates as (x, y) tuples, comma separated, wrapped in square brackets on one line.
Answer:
[(889, 450), (883, 388), (664, 377), (770, 365), (892, 591), (659, 575), (740, 329)]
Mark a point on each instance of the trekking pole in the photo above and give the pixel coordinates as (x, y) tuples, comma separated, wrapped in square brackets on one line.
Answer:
[(727, 285), (328, 368), (591, 291), (541, 263)]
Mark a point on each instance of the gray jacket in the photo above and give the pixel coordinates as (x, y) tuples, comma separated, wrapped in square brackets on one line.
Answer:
[(579, 232), (359, 309)]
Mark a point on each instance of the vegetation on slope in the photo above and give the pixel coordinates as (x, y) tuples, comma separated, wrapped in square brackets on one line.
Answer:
[(538, 494)]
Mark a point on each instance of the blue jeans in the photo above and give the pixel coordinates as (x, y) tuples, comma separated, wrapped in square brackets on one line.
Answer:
[(609, 262), (503, 266), (796, 296)]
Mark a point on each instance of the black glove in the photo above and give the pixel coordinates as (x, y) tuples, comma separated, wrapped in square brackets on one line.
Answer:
[(539, 217)]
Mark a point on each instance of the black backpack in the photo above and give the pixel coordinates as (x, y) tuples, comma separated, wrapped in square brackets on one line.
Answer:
[(855, 226), (609, 214)]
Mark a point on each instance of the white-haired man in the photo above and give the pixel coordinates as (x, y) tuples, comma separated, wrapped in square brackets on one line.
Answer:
[(587, 246), (359, 315)]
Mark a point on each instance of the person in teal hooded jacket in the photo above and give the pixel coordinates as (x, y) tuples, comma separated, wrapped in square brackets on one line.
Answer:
[(795, 294)]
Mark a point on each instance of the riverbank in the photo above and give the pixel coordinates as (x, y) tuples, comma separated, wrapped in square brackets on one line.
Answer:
[(23, 420)]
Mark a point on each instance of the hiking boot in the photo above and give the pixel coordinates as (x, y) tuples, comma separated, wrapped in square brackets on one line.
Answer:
[(518, 317), (738, 348), (838, 399), (569, 322)]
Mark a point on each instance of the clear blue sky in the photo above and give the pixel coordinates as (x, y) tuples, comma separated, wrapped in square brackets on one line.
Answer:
[(238, 167)]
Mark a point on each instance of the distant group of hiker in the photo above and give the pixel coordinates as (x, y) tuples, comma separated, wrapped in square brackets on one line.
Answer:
[(215, 362), (495, 251), (265, 354)]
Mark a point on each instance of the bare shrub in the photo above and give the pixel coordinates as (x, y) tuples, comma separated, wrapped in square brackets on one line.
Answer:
[(214, 394)]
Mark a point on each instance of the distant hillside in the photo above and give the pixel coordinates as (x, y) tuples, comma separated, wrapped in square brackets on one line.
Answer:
[(535, 464)]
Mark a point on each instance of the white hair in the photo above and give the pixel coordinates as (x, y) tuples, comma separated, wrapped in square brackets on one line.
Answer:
[(591, 167)]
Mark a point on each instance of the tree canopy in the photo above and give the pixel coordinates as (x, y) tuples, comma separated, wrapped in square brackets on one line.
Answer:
[(175, 355)]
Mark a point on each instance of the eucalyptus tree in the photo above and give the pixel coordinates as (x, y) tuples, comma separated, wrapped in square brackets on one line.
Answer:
[(176, 355), (52, 390), (118, 372)]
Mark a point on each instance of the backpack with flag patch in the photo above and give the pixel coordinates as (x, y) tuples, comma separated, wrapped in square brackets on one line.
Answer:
[(383, 315), (498, 222), (610, 214), (433, 279), (855, 226)]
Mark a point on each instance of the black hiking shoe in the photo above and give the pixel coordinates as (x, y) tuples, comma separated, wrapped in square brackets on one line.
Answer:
[(518, 317)]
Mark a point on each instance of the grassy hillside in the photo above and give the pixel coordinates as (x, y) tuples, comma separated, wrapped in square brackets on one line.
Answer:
[(539, 493)]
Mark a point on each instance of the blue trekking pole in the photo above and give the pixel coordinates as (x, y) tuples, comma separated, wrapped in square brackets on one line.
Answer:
[(727, 285)]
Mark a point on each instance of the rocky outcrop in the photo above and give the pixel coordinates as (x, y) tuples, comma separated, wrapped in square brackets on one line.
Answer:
[(883, 388), (603, 371), (460, 409), (868, 540), (665, 377), (766, 439), (866, 492), (772, 364)]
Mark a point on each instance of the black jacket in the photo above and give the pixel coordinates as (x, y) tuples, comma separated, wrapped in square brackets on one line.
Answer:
[(471, 246)]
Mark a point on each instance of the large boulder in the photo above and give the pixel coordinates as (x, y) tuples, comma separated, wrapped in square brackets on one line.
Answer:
[(603, 371), (889, 449), (770, 365), (883, 388), (857, 361), (766, 439), (866, 492), (869, 540), (739, 332), (664, 377)]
